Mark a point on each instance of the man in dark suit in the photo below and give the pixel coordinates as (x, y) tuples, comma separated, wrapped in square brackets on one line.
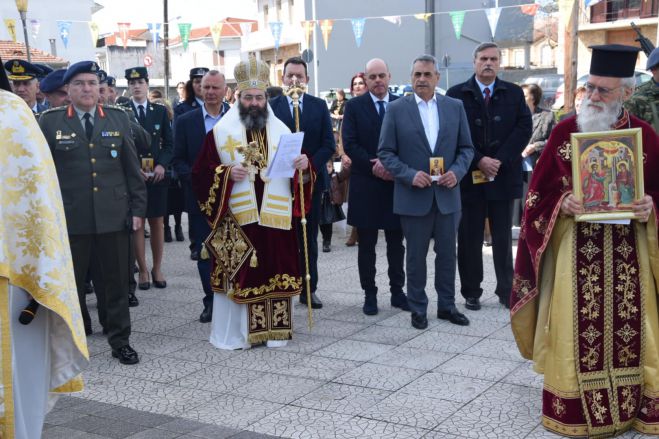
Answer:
[(319, 143), (500, 124), (372, 188), (104, 195), (189, 134), (429, 207)]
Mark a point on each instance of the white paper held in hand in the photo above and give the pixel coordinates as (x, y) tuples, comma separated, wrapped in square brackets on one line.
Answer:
[(290, 146)]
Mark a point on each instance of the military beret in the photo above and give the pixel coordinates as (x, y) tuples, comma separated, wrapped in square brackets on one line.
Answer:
[(112, 81), (20, 70), (137, 73), (613, 60), (80, 67), (52, 81), (198, 72), (45, 70), (653, 59), (102, 76)]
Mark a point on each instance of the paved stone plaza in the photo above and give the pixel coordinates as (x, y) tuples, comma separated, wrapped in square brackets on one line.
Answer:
[(351, 376)]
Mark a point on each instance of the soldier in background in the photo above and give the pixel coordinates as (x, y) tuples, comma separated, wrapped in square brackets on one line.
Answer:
[(54, 89), (644, 104)]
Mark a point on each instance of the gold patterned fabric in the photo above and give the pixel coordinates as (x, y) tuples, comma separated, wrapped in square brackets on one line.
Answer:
[(34, 252)]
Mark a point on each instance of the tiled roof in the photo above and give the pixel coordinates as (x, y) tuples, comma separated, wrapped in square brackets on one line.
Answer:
[(11, 50)]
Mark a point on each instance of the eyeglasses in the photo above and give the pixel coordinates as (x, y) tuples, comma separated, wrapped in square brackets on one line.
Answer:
[(603, 91)]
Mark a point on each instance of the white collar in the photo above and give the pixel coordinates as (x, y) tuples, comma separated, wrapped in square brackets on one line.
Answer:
[(483, 86), (376, 99), (206, 113), (419, 100), (137, 104)]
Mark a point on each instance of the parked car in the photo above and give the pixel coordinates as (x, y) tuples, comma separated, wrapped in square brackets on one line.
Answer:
[(640, 76), (405, 89), (549, 83)]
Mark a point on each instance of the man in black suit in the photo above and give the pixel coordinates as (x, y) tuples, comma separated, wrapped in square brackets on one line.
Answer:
[(372, 189), (500, 124), (319, 143), (189, 134)]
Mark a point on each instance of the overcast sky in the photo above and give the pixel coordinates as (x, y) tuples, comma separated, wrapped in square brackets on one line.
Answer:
[(198, 12)]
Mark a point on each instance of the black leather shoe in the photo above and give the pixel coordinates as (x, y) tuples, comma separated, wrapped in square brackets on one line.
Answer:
[(194, 255), (132, 300), (89, 288), (454, 316), (399, 300), (158, 283), (370, 307), (206, 315), (473, 303), (178, 232), (126, 355), (147, 234), (419, 321), (144, 285), (315, 301), (168, 234), (326, 247), (88, 329), (504, 302)]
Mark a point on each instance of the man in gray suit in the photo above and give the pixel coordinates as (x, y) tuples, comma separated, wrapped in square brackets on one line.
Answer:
[(429, 206)]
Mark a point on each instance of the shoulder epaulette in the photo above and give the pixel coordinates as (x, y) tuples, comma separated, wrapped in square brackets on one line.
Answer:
[(156, 103), (115, 107), (52, 110)]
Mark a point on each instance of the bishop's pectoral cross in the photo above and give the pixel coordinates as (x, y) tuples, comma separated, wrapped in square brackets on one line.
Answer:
[(253, 158)]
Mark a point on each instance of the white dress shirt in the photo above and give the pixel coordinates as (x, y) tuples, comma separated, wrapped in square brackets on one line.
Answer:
[(429, 118)]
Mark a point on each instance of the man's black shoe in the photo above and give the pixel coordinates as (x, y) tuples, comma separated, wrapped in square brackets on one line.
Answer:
[(132, 300), (206, 315), (473, 303), (505, 302), (419, 321), (399, 300), (168, 234), (454, 316), (315, 301), (178, 231), (327, 247), (194, 255), (88, 329), (126, 355), (370, 307)]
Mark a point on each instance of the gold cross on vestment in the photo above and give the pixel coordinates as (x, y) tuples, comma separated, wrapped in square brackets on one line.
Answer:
[(231, 146)]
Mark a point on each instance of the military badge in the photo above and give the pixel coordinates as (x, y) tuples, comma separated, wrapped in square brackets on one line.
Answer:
[(114, 153)]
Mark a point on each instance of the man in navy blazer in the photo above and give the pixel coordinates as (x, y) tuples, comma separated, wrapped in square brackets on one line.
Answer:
[(429, 206), (371, 205), (319, 144), (189, 134)]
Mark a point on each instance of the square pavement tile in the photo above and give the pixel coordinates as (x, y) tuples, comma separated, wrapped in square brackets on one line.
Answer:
[(442, 342), (504, 333), (342, 398), (385, 334), (331, 328), (524, 375), (478, 367), (277, 388), (155, 324), (231, 411), (59, 432), (377, 376), (307, 343), (218, 378), (449, 387), (406, 409), (215, 432), (503, 411), (152, 433), (194, 330), (476, 328), (263, 359), (62, 416), (369, 428), (182, 426), (501, 349), (403, 320), (412, 358), (150, 368), (319, 368), (157, 344), (203, 352), (354, 350), (356, 315)]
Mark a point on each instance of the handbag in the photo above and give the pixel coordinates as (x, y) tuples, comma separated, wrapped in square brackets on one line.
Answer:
[(329, 212)]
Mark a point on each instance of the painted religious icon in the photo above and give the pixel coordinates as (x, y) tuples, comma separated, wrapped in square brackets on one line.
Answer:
[(607, 170)]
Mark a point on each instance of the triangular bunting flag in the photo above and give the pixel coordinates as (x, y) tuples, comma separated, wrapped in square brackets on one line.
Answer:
[(275, 28), (423, 17), (216, 33), (458, 19), (64, 28), (35, 25), (358, 29), (531, 9), (11, 28), (123, 30), (493, 19), (154, 28), (326, 29), (395, 19), (93, 30), (308, 27), (184, 32)]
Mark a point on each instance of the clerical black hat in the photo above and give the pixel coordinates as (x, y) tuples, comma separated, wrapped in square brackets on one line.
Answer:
[(137, 73), (52, 81), (613, 60), (198, 72), (80, 67), (20, 70)]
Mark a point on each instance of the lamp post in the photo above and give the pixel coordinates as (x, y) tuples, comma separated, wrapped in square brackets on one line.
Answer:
[(21, 5)]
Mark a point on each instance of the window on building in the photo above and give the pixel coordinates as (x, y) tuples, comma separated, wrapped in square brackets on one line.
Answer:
[(505, 58), (612, 10), (518, 58), (545, 55), (218, 58)]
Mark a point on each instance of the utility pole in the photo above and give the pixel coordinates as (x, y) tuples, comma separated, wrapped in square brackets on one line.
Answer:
[(166, 46), (570, 57), (430, 28)]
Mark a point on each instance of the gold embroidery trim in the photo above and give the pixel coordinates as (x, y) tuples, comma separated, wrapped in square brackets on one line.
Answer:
[(282, 282), (207, 207)]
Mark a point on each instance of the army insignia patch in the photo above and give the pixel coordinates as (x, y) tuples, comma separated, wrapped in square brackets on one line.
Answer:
[(157, 126), (114, 153), (110, 134), (17, 68), (134, 74)]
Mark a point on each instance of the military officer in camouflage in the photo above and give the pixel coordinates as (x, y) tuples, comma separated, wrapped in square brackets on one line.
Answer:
[(644, 103), (103, 192)]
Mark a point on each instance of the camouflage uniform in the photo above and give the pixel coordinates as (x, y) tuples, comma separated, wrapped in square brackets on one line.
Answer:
[(645, 103)]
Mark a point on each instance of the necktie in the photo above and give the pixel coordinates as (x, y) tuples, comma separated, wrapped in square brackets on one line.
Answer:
[(141, 114), (381, 110), (89, 127), (487, 96)]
